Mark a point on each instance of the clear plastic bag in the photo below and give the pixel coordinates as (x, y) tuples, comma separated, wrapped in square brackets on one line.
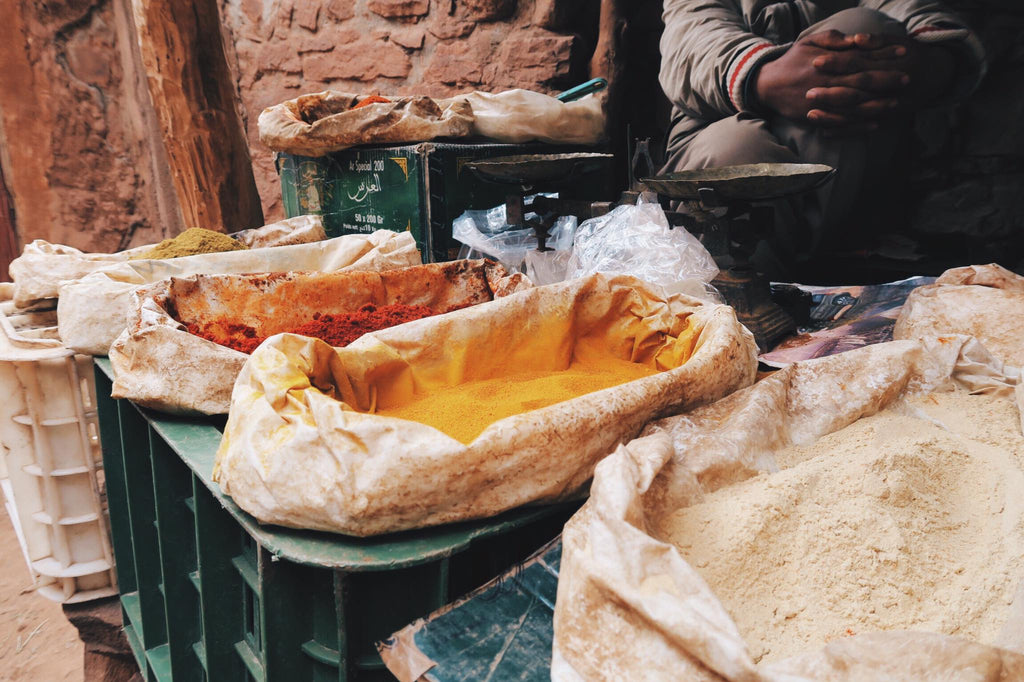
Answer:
[(487, 234), (637, 240)]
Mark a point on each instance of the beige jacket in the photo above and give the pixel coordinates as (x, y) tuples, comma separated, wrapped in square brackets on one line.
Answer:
[(711, 47)]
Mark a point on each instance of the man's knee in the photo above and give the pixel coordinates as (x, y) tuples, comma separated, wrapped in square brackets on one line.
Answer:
[(733, 141), (858, 20)]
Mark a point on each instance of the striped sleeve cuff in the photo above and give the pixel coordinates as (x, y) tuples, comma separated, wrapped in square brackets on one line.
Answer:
[(743, 65)]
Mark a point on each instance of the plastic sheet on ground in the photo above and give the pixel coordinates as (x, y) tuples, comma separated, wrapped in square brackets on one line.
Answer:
[(43, 267), (325, 122), (92, 311), (630, 606), (160, 365), (301, 449), (984, 301)]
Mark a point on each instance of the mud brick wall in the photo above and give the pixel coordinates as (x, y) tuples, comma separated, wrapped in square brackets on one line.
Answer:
[(284, 48)]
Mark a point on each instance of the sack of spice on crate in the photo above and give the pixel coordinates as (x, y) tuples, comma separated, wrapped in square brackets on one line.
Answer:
[(92, 311), (518, 115), (800, 529), (187, 338), (43, 267), (984, 301), (329, 121), (469, 414)]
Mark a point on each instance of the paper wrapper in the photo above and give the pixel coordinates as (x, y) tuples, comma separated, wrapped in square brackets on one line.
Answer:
[(43, 267), (984, 301), (325, 122), (160, 365), (296, 453), (92, 311), (630, 606), (525, 116)]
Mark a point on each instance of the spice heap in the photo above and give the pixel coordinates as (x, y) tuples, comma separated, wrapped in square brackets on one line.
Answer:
[(372, 99), (337, 330), (896, 522), (192, 242), (465, 410)]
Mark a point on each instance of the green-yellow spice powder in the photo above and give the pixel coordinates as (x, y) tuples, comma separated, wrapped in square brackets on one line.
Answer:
[(192, 242)]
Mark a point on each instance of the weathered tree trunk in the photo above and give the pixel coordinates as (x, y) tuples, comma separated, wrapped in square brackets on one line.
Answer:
[(8, 236), (194, 98)]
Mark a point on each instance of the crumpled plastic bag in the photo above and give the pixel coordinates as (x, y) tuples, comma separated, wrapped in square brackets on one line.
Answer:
[(630, 606), (486, 233), (325, 122), (43, 267), (638, 240), (300, 448), (984, 301), (158, 364), (524, 115), (92, 311)]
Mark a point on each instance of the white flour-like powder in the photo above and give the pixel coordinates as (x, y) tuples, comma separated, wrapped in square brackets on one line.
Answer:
[(912, 519)]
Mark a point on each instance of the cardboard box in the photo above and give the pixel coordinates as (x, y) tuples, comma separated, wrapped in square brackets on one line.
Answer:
[(421, 188)]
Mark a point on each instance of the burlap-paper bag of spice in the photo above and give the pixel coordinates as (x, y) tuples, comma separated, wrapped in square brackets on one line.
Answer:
[(43, 267), (92, 311), (312, 440), (329, 121), (159, 364), (797, 561), (984, 301)]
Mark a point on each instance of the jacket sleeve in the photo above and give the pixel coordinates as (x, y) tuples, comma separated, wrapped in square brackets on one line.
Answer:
[(929, 22), (706, 53)]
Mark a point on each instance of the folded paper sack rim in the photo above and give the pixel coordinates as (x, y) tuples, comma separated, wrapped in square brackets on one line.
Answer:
[(628, 601), (295, 453), (93, 311), (158, 364)]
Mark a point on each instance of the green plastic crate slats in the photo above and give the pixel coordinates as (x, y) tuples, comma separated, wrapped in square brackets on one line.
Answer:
[(209, 594)]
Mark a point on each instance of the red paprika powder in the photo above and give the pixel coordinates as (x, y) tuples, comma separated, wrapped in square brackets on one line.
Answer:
[(337, 330)]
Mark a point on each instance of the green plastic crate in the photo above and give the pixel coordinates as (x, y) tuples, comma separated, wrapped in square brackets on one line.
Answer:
[(209, 594)]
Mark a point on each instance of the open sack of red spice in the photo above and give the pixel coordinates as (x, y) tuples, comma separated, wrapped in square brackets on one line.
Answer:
[(42, 267), (984, 301), (857, 517), (188, 338), (92, 311), (472, 413), (329, 121)]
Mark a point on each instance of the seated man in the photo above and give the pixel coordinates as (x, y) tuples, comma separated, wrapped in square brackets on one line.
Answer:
[(800, 81)]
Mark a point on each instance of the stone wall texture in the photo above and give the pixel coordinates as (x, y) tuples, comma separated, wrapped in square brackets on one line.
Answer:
[(283, 48), (78, 156)]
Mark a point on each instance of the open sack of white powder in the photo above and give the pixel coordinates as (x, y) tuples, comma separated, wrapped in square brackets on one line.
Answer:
[(856, 517)]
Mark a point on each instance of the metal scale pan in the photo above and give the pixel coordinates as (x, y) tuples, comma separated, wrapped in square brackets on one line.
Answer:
[(528, 170), (747, 182)]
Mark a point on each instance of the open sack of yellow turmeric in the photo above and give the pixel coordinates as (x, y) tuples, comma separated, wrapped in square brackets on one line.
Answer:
[(43, 267), (857, 517), (329, 121), (472, 413), (187, 338), (984, 301), (92, 311)]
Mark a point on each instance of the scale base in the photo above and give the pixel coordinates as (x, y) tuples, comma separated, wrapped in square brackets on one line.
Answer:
[(750, 294)]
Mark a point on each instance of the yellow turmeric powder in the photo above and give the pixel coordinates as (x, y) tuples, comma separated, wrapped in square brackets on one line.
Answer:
[(191, 242), (465, 410)]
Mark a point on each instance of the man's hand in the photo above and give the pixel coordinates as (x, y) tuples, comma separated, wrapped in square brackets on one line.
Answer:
[(837, 81), (927, 69)]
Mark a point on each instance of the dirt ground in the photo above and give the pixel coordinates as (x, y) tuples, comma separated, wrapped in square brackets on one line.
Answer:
[(37, 643)]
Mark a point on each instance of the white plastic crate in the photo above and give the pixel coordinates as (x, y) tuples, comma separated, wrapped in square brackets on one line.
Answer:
[(49, 439)]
